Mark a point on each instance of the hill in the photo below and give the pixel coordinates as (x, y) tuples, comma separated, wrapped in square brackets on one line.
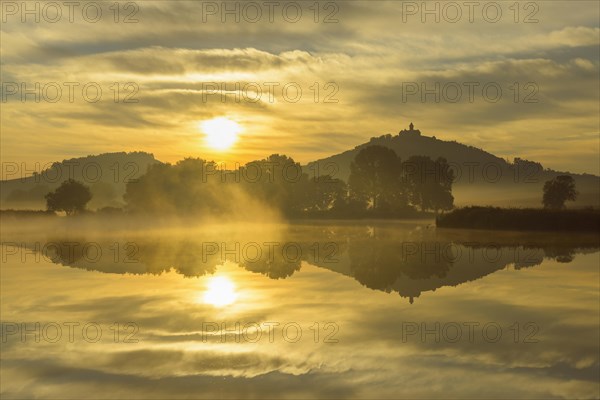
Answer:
[(106, 175), (481, 177)]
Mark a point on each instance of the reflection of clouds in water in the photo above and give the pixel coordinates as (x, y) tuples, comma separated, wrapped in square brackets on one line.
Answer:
[(82, 381), (369, 360)]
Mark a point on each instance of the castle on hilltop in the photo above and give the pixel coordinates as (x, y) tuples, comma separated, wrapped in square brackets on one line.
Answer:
[(410, 131)]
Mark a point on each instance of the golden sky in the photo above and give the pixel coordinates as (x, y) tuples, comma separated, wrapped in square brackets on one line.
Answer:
[(354, 67)]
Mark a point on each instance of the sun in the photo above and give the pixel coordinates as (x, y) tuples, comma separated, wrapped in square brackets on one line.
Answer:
[(221, 133), (220, 292)]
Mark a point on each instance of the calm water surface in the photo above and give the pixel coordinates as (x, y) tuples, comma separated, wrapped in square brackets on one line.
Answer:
[(353, 310)]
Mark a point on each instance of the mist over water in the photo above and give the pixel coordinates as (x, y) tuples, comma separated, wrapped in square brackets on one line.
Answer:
[(303, 309)]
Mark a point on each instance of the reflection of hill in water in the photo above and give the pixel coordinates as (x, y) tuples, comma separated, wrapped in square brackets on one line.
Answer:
[(383, 257)]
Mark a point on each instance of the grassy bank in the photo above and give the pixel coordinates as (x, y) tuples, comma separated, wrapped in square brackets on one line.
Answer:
[(521, 219)]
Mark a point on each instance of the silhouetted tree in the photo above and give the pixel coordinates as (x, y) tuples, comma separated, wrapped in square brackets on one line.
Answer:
[(430, 182), (186, 188), (375, 179), (376, 187), (326, 193), (278, 181), (194, 186), (559, 190), (71, 197)]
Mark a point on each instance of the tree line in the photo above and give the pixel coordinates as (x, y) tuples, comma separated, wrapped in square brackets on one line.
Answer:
[(380, 185)]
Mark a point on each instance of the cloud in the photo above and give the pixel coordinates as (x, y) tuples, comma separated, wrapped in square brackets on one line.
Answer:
[(171, 52)]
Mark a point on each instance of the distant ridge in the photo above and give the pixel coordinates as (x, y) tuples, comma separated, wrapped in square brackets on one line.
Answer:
[(485, 179), (106, 175)]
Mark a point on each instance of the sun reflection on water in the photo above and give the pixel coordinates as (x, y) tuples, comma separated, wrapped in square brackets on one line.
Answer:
[(220, 291)]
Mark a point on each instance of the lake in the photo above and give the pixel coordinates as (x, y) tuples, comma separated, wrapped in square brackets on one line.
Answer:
[(345, 309)]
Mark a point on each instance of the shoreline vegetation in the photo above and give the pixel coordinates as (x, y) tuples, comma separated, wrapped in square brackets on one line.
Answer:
[(380, 186), (521, 219)]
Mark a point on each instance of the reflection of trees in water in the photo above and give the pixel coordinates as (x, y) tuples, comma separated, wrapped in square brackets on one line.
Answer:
[(424, 261), (372, 266), (378, 263), (279, 263), (153, 257), (560, 254), (182, 256), (65, 252), (186, 257), (382, 258), (274, 269)]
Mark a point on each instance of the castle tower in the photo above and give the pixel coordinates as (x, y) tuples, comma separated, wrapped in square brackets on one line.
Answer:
[(410, 131)]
